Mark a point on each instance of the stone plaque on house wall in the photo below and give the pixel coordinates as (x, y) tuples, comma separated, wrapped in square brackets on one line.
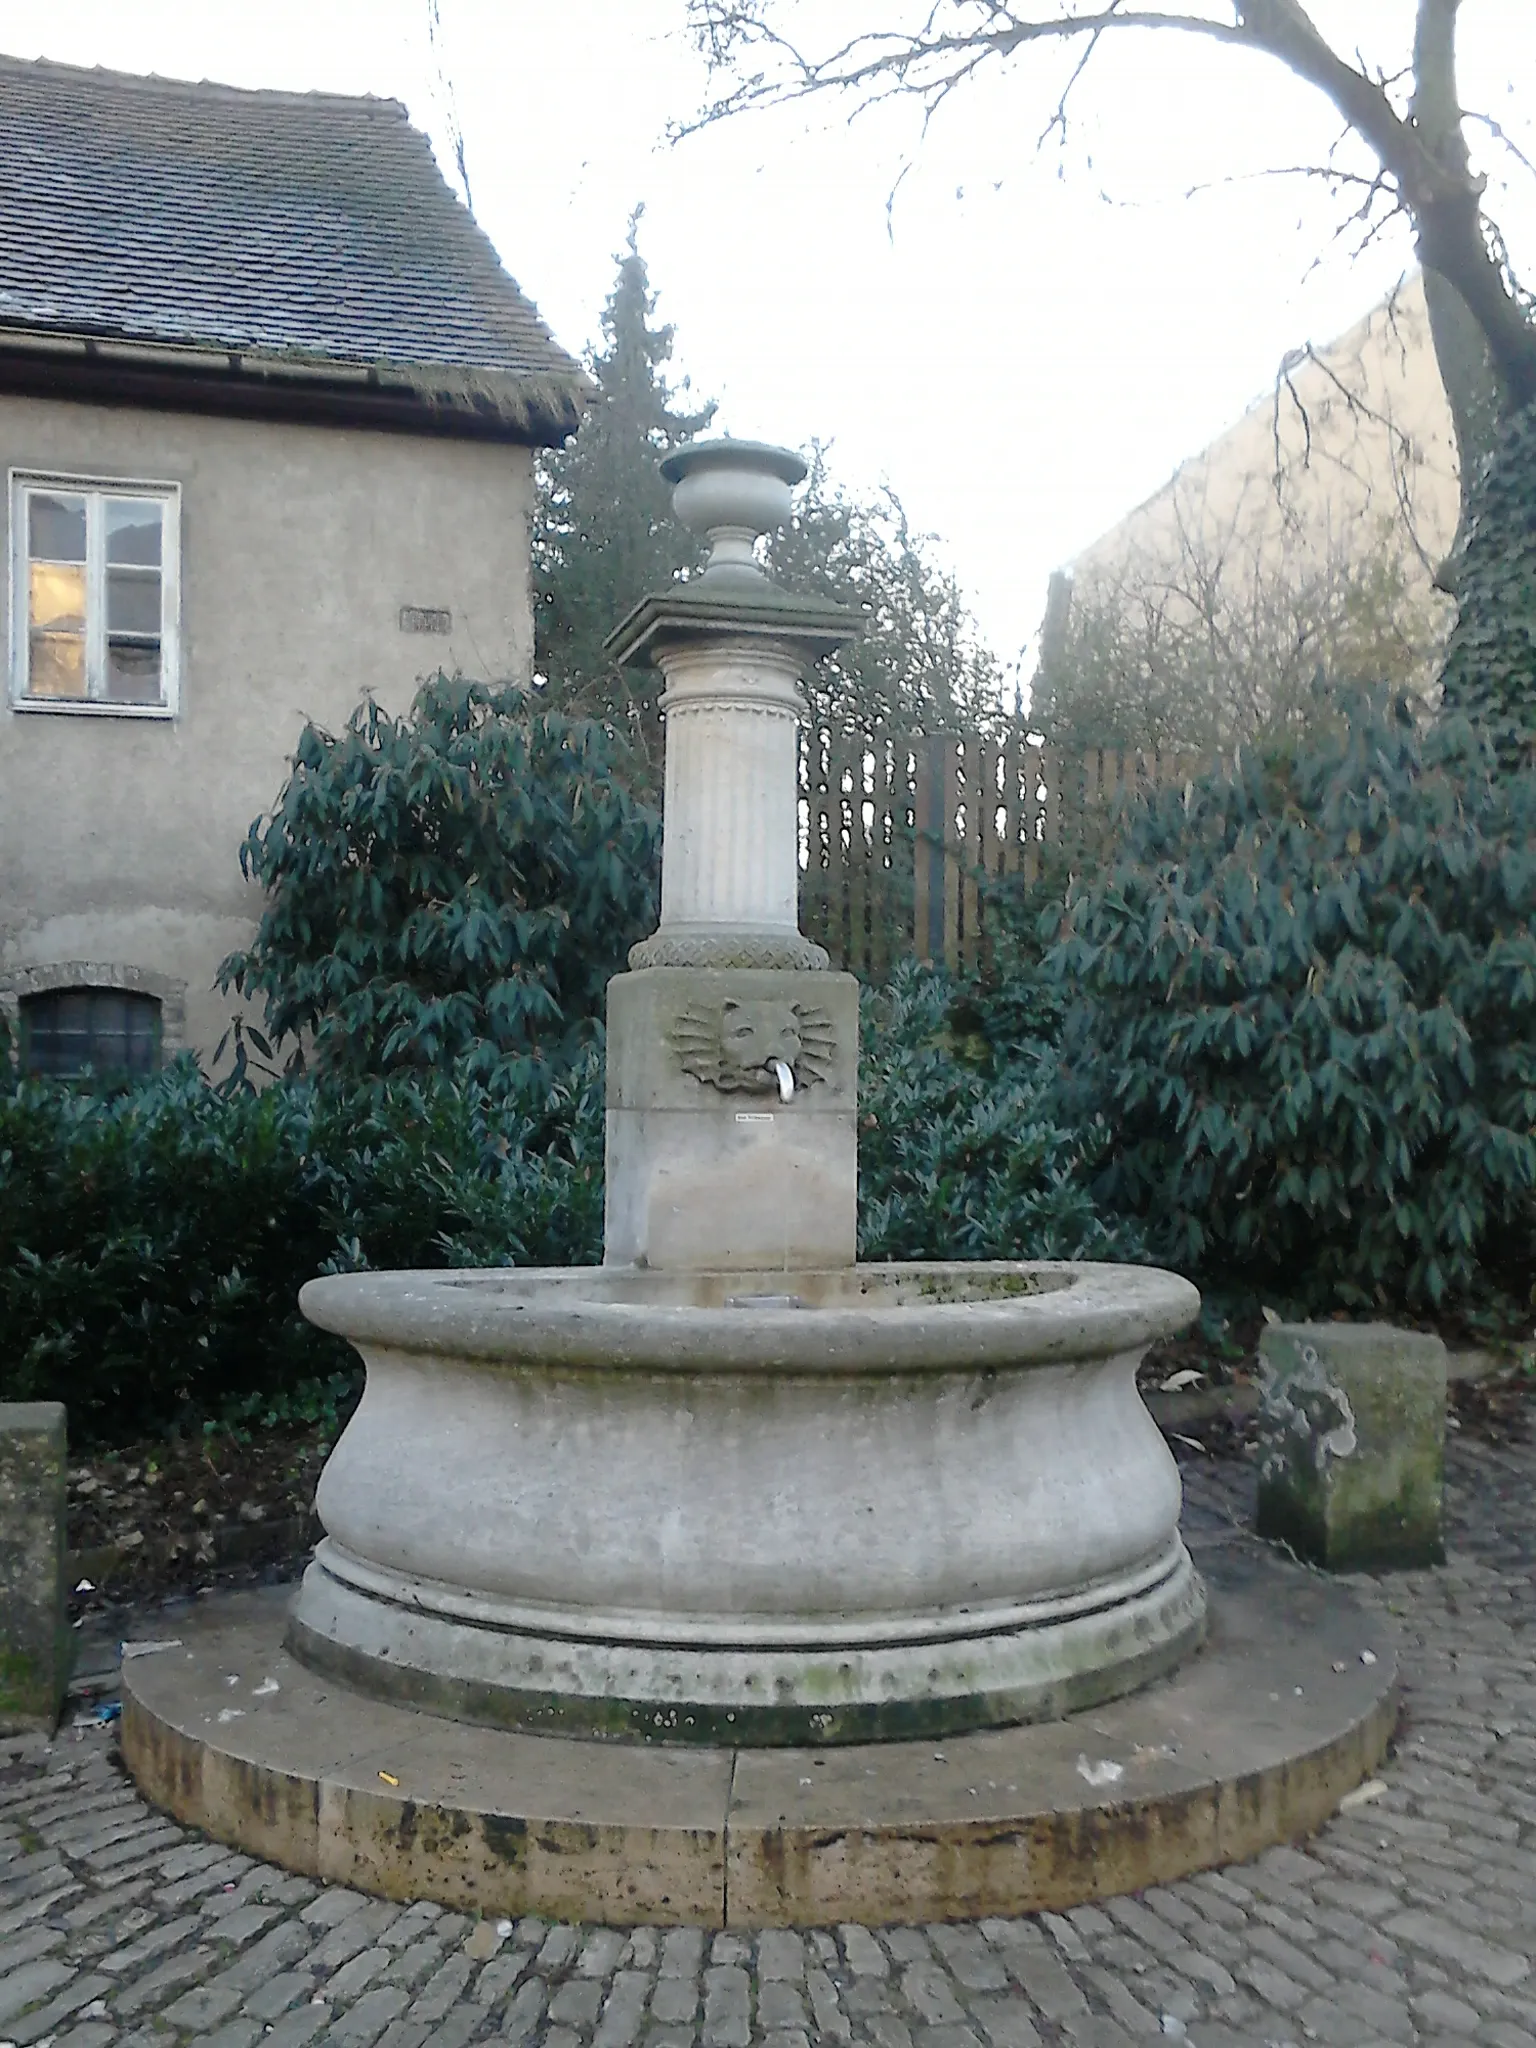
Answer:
[(425, 618)]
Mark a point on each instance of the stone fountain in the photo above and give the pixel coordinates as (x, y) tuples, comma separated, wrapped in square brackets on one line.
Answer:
[(733, 1485), (733, 1493)]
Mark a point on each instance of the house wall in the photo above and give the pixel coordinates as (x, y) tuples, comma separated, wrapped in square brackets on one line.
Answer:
[(119, 836), (1353, 449)]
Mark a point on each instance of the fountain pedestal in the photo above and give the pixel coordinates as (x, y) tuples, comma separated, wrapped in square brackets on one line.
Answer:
[(707, 1166), (732, 1052)]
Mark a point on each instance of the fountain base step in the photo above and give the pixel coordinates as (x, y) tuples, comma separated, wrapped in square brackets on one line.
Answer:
[(1251, 1741), (724, 1684)]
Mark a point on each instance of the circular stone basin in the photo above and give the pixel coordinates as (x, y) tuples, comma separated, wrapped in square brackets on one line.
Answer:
[(876, 1501)]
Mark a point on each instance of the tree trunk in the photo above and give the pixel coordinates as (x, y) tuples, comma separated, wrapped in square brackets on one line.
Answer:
[(1479, 352), (1472, 389), (1451, 243)]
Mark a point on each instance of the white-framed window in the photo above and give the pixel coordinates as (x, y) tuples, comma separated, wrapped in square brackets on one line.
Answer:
[(95, 595)]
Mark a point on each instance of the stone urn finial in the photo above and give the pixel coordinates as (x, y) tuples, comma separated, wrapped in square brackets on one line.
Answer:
[(732, 492)]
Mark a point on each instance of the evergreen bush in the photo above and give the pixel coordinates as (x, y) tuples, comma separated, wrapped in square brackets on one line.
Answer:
[(153, 1238), (961, 1152), (451, 887), (1304, 997)]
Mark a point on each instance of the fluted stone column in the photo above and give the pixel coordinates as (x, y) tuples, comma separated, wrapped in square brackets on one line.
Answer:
[(730, 871), (732, 1052)]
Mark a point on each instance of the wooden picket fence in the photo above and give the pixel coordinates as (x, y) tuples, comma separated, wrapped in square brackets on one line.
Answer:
[(901, 834)]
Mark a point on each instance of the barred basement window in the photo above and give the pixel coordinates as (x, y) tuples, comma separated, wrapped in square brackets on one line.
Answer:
[(94, 595), (67, 1031)]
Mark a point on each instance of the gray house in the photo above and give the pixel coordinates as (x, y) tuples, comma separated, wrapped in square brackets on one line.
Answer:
[(268, 407)]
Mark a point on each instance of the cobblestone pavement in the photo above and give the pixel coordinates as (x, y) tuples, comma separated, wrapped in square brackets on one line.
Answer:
[(1411, 1919)]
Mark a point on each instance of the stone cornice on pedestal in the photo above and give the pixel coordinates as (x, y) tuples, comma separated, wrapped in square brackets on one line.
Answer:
[(707, 608)]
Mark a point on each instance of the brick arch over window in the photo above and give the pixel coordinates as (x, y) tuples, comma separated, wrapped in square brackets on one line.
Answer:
[(57, 976)]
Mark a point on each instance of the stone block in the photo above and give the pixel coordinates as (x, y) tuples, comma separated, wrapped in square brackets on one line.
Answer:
[(34, 1629), (695, 1039), (707, 1167), (1352, 1444)]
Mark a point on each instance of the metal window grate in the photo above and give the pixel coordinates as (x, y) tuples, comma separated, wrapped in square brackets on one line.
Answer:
[(90, 1030)]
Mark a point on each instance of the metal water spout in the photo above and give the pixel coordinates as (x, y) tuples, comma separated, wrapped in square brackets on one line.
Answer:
[(783, 1073)]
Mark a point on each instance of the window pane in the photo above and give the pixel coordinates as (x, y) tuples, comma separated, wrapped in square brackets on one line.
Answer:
[(58, 598), (56, 527), (56, 665), (133, 671), (133, 530), (103, 612), (105, 1030), (133, 600)]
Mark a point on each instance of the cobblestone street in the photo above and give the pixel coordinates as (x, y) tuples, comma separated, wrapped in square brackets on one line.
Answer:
[(1410, 1919)]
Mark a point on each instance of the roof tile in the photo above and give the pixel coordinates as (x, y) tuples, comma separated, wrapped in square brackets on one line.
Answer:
[(270, 224)]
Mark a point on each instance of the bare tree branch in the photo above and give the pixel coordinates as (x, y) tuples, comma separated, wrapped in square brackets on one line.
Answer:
[(886, 62), (450, 98), (1328, 173), (1058, 121), (1193, 628), (1422, 152), (1501, 135)]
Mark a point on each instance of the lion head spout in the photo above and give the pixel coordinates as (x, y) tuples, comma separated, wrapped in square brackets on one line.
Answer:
[(732, 1044)]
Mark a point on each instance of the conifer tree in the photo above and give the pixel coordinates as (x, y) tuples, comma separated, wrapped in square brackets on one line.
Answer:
[(918, 662), (604, 533)]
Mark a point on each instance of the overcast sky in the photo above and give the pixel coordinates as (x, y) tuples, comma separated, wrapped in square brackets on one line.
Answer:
[(1024, 346)]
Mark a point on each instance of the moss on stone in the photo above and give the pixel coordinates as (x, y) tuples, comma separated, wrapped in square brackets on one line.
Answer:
[(26, 1691), (1351, 1445), (35, 1642)]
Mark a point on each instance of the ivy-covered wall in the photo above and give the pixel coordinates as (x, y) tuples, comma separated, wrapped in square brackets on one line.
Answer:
[(1490, 669)]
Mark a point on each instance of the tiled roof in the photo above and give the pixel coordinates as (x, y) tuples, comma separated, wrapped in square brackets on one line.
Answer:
[(294, 226)]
